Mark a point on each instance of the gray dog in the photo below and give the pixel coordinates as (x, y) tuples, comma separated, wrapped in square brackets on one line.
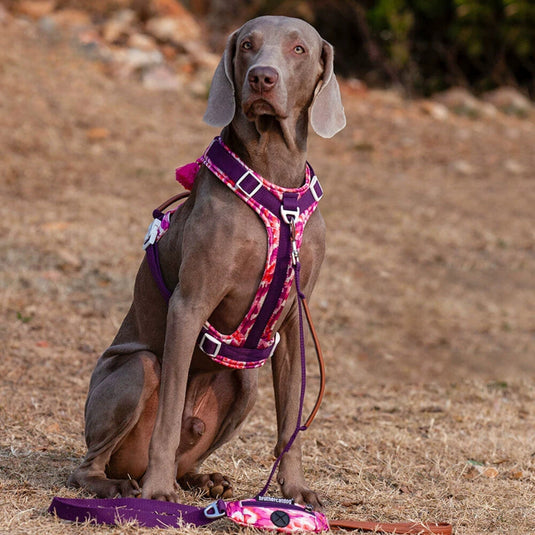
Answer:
[(157, 404)]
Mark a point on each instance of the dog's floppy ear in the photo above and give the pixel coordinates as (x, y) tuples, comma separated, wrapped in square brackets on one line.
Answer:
[(327, 112), (221, 100)]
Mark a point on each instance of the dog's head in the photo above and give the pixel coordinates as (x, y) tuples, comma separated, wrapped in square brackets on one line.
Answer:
[(279, 67)]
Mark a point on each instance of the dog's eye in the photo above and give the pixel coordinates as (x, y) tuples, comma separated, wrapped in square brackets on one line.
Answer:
[(299, 49), (247, 45)]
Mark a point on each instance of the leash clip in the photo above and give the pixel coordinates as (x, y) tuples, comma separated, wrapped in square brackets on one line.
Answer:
[(295, 250)]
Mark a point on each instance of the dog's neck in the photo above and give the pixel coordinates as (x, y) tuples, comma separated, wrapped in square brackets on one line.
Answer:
[(275, 149)]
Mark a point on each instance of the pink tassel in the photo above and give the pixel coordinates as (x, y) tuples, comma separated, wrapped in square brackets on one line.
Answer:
[(186, 174)]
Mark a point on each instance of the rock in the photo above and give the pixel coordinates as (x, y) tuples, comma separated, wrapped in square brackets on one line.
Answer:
[(462, 167), (509, 100), (460, 101), (120, 26), (142, 42), (513, 167), (173, 29), (161, 78), (435, 109), (35, 9), (126, 61), (113, 30)]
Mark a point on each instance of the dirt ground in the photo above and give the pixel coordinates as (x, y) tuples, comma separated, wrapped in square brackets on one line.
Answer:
[(425, 306)]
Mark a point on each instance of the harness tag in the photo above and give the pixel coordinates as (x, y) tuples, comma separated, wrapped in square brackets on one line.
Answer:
[(152, 233)]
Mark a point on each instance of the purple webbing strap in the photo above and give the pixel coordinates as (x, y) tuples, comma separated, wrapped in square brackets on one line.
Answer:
[(298, 426), (148, 513), (153, 259)]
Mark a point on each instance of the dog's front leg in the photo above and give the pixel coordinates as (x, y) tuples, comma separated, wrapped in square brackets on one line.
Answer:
[(184, 320), (286, 367)]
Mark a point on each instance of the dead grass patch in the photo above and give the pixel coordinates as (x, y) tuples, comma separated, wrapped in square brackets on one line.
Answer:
[(425, 305)]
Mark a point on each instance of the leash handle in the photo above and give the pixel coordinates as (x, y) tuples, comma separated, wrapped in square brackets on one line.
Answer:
[(148, 513), (396, 527)]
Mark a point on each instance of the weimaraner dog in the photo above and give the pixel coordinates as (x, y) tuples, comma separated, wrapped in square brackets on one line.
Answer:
[(157, 405)]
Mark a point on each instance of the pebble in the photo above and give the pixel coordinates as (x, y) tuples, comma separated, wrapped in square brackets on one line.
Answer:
[(435, 109), (514, 167), (462, 167)]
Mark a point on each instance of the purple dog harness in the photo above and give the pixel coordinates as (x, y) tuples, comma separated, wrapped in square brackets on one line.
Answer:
[(284, 213)]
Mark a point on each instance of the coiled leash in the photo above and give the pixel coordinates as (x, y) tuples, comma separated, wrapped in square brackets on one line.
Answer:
[(261, 512)]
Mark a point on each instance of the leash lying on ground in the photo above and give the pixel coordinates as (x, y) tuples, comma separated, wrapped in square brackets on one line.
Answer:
[(270, 515), (261, 512)]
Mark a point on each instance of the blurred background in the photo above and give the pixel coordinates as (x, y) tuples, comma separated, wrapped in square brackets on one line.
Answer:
[(421, 46), (429, 207)]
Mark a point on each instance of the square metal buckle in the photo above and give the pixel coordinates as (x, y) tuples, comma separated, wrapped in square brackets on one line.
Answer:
[(313, 184), (210, 338), (255, 189)]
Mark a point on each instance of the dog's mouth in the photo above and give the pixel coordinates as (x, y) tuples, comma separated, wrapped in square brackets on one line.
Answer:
[(257, 106)]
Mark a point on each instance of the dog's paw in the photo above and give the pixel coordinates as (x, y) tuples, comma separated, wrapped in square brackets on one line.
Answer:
[(302, 495), (103, 487), (165, 493), (126, 488), (214, 485)]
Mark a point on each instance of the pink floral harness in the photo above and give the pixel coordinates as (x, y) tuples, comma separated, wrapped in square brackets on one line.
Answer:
[(284, 213)]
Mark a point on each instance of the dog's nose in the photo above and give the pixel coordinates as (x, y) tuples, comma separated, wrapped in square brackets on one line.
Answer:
[(262, 79)]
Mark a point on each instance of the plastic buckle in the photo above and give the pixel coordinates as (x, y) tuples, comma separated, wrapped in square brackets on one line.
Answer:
[(210, 338), (152, 233), (315, 183), (242, 178), (213, 511), (275, 344)]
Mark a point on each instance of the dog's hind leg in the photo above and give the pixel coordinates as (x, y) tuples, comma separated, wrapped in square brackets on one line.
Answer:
[(120, 412), (216, 406)]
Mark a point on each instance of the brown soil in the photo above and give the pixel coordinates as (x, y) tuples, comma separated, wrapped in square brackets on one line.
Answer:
[(425, 307)]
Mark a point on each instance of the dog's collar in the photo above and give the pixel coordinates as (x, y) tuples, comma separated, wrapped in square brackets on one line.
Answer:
[(249, 185)]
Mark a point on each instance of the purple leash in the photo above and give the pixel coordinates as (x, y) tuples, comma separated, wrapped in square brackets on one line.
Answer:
[(154, 513), (298, 427)]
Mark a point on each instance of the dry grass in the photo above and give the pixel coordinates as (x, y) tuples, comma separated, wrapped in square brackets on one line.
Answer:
[(425, 305)]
